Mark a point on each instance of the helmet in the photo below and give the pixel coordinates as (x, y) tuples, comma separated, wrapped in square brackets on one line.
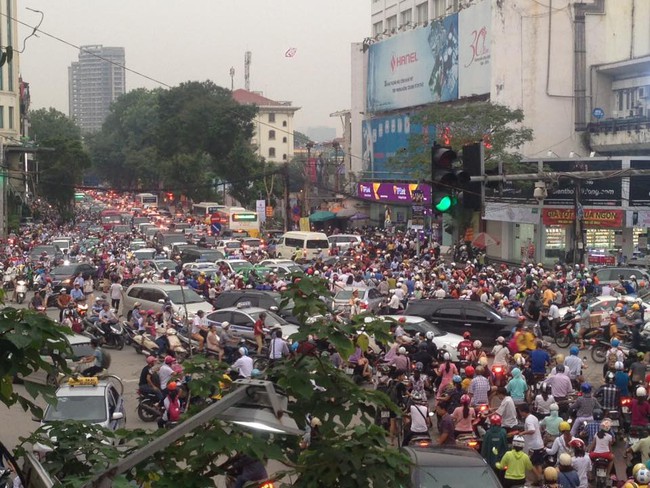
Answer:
[(446, 356), (598, 414), (618, 365), (483, 361), (169, 359), (151, 360), (554, 406), (256, 373), (151, 312), (615, 342), (574, 351), (565, 459), (171, 386), (630, 484), (518, 441), (521, 360), (565, 426), (501, 339), (243, 351), (467, 334), (417, 397), (550, 474), (419, 366), (495, 419), (469, 371), (637, 467), (430, 335), (457, 379), (641, 392), (579, 443), (609, 377), (585, 388), (402, 350), (477, 344), (606, 424), (225, 325), (465, 399), (642, 476)]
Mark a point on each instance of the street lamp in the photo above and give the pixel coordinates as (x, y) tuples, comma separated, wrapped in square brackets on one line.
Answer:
[(255, 404)]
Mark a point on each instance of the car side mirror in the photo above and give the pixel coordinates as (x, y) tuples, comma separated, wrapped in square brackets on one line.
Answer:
[(117, 416), (161, 300), (273, 308)]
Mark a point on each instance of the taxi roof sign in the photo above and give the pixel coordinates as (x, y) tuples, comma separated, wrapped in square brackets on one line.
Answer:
[(83, 381)]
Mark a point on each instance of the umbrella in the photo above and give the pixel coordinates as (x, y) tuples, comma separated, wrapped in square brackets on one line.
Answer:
[(483, 240), (322, 216), (344, 213)]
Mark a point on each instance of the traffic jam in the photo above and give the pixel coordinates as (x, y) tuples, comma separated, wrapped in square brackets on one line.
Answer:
[(505, 361)]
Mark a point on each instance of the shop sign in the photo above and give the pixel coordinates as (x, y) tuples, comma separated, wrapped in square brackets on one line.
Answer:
[(593, 217), (394, 192), (640, 186)]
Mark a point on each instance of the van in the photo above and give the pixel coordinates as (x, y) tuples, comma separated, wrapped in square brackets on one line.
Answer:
[(194, 254), (311, 244), (344, 241)]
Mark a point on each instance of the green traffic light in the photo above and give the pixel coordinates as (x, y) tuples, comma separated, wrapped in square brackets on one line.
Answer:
[(444, 204)]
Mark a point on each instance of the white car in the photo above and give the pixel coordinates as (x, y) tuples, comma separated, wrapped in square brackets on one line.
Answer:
[(605, 304), (444, 340), (270, 263), (228, 246), (199, 266)]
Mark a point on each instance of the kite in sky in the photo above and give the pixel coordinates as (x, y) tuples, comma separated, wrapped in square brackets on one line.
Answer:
[(291, 52)]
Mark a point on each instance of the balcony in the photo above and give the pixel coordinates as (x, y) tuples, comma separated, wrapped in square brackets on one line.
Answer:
[(627, 135)]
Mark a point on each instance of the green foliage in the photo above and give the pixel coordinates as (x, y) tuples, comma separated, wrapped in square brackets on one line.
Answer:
[(469, 123), (62, 159), (350, 451), (23, 334)]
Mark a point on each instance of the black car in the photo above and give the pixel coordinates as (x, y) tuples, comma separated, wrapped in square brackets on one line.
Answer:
[(457, 316), (64, 275), (268, 300), (438, 467)]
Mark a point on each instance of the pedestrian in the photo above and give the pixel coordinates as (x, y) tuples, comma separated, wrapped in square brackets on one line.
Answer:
[(116, 294), (258, 332)]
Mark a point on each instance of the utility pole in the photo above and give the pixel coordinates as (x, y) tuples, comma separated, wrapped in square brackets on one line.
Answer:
[(287, 204), (305, 210)]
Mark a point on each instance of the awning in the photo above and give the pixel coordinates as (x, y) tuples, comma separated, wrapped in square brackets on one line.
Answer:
[(321, 216)]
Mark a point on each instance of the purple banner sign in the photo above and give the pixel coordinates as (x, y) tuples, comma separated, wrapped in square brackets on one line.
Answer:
[(392, 192)]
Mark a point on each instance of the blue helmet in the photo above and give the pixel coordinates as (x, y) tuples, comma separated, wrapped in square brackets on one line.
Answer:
[(457, 379), (585, 387), (615, 342), (574, 351)]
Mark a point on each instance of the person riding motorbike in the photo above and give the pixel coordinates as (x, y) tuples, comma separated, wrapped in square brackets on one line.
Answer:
[(107, 318)]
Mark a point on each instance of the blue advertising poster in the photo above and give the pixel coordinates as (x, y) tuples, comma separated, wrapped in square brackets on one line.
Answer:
[(384, 137), (414, 68)]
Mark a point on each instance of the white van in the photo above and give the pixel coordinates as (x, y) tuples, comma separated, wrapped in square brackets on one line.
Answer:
[(311, 243)]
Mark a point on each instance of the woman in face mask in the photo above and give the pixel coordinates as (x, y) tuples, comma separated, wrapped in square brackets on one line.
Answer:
[(551, 424)]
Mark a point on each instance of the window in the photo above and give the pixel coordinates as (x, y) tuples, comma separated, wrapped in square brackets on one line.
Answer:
[(449, 313), (271, 135), (438, 8), (11, 117), (293, 242), (271, 152), (407, 16), (377, 28), (284, 123), (284, 139), (422, 12), (2, 117), (391, 23), (284, 157), (271, 117)]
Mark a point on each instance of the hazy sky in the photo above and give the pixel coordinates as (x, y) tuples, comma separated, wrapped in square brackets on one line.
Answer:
[(178, 40)]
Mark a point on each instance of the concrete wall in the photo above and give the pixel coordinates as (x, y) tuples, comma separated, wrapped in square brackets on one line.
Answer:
[(261, 137)]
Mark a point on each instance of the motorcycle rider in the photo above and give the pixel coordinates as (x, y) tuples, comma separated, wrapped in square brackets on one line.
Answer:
[(574, 364), (584, 407), (640, 408), (507, 410), (248, 469), (608, 395), (62, 302), (601, 445), (562, 444), (551, 424), (171, 404), (37, 302), (136, 317), (516, 463), (165, 373), (107, 318), (495, 442), (419, 420), (465, 346), (500, 352), (244, 364), (77, 293), (147, 385), (533, 438)]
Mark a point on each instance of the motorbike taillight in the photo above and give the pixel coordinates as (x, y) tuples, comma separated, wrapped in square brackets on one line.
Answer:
[(497, 369), (267, 484), (472, 444), (626, 402)]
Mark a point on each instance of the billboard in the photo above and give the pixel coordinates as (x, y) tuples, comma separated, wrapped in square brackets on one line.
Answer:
[(640, 186), (384, 137), (393, 192), (428, 64)]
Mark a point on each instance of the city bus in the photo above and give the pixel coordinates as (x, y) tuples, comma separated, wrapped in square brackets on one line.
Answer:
[(147, 200), (204, 210), (237, 221), (110, 218)]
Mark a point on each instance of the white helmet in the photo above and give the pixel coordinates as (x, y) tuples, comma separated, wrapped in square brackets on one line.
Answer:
[(446, 356), (430, 335), (618, 365), (478, 344), (641, 392), (225, 325), (521, 361), (518, 441), (402, 350), (643, 476)]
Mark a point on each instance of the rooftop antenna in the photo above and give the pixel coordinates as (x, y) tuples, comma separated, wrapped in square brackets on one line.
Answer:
[(232, 79), (247, 70)]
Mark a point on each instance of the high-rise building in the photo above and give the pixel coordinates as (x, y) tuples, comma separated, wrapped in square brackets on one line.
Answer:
[(94, 82)]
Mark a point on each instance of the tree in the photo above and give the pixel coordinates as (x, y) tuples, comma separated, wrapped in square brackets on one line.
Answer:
[(498, 126), (350, 452), (62, 159)]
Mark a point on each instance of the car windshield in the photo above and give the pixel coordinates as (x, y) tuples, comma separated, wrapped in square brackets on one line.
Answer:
[(64, 270), (252, 242), (82, 408), (444, 477), (233, 245), (239, 266), (176, 296), (347, 294), (166, 263)]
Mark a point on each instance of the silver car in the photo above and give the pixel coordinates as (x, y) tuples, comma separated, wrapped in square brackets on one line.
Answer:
[(243, 318), (371, 299)]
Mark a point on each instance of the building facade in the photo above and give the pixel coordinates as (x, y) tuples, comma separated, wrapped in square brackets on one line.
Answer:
[(273, 137), (94, 82), (578, 71)]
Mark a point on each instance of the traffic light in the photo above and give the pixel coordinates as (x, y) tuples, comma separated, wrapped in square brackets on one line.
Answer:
[(446, 179), (472, 156)]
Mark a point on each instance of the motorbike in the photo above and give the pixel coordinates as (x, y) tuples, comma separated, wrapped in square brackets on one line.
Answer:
[(143, 342), (601, 478), (21, 290), (82, 309), (112, 338), (499, 375), (148, 408)]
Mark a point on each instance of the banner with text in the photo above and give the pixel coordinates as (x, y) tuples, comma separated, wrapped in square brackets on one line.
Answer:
[(474, 28), (593, 217), (393, 192)]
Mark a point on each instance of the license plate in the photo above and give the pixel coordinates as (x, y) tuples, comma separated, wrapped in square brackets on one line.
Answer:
[(385, 414), (601, 472)]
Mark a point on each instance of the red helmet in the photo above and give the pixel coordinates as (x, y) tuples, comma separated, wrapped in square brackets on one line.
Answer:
[(467, 334), (465, 399), (469, 371), (495, 419), (171, 386)]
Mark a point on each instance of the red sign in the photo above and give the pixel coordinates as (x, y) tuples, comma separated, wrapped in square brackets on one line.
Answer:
[(593, 217), (602, 260)]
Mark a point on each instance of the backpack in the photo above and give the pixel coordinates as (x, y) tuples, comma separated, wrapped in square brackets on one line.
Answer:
[(612, 357), (174, 411)]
